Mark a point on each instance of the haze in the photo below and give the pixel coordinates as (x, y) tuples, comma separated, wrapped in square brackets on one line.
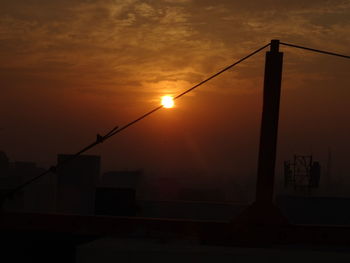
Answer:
[(72, 69)]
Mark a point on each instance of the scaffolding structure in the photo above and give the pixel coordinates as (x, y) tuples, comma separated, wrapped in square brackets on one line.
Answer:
[(302, 172)]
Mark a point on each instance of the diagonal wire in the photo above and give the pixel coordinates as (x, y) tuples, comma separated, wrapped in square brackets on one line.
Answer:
[(53, 169), (315, 50), (116, 130), (189, 90)]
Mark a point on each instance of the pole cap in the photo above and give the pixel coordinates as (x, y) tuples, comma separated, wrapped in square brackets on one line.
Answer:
[(274, 46)]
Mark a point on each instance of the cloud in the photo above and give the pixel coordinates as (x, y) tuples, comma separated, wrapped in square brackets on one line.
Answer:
[(66, 63), (113, 43)]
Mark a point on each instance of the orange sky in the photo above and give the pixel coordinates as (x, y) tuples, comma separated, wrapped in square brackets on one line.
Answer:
[(71, 69)]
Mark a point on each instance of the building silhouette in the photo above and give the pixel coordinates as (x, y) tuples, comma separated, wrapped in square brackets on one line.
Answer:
[(116, 194), (76, 183), (36, 197)]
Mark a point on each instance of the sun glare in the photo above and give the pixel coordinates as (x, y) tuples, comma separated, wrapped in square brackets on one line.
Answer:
[(167, 101)]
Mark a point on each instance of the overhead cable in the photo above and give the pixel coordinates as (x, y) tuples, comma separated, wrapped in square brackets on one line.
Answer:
[(116, 130), (315, 50)]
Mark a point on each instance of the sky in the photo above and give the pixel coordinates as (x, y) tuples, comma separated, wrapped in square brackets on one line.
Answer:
[(72, 69)]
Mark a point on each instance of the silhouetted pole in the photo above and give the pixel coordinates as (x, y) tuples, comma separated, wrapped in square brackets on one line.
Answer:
[(269, 125)]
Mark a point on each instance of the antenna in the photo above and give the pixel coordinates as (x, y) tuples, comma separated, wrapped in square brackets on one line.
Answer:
[(329, 168)]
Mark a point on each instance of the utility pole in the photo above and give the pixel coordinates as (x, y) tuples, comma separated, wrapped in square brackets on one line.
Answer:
[(269, 125), (263, 211)]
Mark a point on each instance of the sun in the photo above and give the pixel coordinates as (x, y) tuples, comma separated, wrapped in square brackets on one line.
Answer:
[(167, 101)]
